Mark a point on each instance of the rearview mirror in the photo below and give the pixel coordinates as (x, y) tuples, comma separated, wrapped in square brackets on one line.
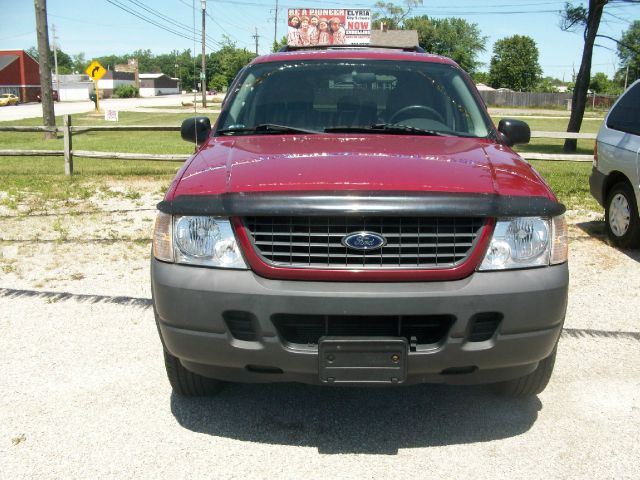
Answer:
[(514, 131), (195, 129)]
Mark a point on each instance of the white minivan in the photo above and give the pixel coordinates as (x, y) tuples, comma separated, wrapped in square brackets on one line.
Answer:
[(615, 179)]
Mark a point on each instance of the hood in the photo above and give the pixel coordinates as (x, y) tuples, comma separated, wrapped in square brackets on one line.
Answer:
[(272, 163)]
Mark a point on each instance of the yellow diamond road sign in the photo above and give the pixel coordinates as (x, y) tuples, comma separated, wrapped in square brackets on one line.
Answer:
[(95, 71)]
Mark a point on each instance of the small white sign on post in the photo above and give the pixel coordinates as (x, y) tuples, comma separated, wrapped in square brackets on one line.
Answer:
[(111, 115)]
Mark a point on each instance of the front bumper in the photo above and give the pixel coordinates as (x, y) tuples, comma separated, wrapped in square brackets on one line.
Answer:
[(190, 302), (597, 180)]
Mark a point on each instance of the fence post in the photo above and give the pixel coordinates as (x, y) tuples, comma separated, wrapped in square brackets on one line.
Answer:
[(68, 146)]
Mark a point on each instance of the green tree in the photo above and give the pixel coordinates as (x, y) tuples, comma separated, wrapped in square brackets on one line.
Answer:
[(278, 45), (629, 52), (480, 77), (79, 62), (547, 85), (451, 37), (600, 83), (514, 64), (391, 14), (33, 51), (218, 82), (232, 59), (65, 63)]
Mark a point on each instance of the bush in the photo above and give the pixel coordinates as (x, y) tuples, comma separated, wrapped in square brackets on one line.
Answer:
[(218, 82), (126, 91)]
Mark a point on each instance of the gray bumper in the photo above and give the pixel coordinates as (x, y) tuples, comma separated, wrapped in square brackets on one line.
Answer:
[(596, 185), (190, 301)]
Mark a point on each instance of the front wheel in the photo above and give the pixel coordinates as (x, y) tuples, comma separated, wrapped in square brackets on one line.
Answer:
[(531, 384), (621, 216), (186, 383)]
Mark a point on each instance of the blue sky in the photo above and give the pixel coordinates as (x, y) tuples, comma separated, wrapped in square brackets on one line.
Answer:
[(97, 27)]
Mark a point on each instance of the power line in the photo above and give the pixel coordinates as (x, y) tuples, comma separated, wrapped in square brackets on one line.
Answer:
[(169, 19), (151, 21), (152, 11), (219, 25)]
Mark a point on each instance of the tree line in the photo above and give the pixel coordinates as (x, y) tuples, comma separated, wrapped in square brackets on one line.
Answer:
[(514, 62), (221, 65)]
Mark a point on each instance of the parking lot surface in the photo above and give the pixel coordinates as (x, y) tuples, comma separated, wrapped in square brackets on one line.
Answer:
[(84, 392)]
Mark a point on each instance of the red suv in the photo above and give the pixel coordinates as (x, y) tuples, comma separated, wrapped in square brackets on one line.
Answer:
[(354, 217)]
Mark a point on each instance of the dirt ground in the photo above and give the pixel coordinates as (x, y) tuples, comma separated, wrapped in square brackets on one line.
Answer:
[(84, 391)]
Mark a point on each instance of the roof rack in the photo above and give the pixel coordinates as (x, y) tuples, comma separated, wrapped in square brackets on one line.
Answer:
[(289, 48)]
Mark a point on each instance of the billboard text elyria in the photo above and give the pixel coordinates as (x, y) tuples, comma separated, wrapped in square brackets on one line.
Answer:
[(317, 26)]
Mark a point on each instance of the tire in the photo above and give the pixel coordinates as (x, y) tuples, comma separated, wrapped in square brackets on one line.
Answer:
[(186, 383), (621, 216), (531, 384)]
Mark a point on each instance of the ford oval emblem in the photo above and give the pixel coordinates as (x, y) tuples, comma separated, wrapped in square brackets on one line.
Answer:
[(364, 241)]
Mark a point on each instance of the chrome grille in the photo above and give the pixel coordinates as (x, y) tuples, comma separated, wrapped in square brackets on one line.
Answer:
[(316, 242)]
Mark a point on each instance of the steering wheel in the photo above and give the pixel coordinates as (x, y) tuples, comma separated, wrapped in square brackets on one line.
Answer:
[(431, 113)]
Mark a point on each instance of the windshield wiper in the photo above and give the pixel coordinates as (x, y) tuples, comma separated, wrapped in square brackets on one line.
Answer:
[(266, 128), (387, 128)]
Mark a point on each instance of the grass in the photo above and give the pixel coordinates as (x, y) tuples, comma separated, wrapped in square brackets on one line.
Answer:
[(569, 181), (38, 181), (34, 180)]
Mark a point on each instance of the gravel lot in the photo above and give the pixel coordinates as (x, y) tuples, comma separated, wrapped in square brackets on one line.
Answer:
[(84, 392)]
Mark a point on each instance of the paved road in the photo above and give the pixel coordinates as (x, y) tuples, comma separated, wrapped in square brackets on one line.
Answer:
[(32, 110)]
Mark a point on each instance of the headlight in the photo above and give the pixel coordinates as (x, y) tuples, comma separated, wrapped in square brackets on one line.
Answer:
[(197, 240), (526, 242)]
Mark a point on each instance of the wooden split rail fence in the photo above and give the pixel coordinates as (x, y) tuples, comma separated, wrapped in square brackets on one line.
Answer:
[(69, 152)]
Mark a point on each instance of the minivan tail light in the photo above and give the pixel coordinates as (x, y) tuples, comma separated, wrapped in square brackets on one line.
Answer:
[(595, 154)]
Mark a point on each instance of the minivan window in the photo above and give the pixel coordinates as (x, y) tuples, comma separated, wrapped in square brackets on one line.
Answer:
[(334, 94), (625, 116)]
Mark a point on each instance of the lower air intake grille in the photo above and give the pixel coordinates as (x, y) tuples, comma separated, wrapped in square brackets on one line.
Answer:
[(307, 329), (484, 326), (242, 325)]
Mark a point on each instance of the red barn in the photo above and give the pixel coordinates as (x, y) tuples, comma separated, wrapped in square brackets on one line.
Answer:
[(19, 74)]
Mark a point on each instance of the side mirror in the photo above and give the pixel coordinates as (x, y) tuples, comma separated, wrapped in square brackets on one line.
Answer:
[(514, 131), (195, 129)]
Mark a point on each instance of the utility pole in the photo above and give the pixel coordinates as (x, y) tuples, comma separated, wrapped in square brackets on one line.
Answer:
[(48, 115), (203, 75), (275, 25), (626, 78), (55, 56), (256, 37)]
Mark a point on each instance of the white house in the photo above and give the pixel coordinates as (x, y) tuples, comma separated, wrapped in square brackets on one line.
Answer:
[(153, 84), (112, 80)]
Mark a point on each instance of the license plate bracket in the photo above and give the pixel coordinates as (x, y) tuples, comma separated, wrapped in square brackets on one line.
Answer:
[(362, 360)]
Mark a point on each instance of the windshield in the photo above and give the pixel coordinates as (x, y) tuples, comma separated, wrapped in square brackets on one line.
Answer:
[(343, 95)]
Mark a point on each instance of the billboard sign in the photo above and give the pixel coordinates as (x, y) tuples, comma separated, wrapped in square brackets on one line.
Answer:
[(321, 26)]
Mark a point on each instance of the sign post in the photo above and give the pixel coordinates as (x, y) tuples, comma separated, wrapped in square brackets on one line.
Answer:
[(96, 72)]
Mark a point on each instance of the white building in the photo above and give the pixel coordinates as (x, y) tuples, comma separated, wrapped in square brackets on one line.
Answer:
[(74, 87), (112, 80), (153, 84)]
